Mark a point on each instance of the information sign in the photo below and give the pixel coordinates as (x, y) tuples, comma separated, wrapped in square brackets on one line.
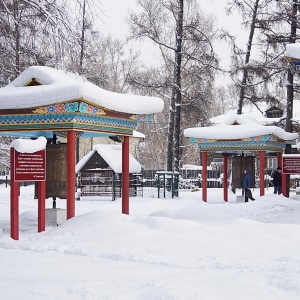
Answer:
[(30, 166), (291, 164)]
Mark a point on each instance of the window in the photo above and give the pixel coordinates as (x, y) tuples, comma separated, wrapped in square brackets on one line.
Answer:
[(218, 161), (272, 163)]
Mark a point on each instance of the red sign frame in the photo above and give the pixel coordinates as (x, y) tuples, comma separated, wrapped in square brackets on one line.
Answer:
[(30, 166), (291, 164)]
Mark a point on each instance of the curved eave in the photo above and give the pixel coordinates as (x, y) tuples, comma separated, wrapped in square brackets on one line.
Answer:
[(115, 124), (237, 146)]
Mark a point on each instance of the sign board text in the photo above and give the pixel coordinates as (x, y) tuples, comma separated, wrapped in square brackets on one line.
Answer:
[(30, 166), (291, 164)]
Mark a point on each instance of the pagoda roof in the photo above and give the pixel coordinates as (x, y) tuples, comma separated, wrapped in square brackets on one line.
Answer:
[(240, 133), (238, 127), (56, 86), (44, 100)]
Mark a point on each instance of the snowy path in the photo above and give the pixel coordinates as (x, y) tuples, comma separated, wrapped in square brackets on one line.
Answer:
[(165, 249)]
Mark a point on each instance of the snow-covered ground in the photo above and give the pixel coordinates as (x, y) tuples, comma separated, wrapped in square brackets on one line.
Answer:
[(165, 249)]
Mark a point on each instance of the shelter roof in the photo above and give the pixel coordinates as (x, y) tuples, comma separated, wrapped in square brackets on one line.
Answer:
[(238, 127), (112, 154), (237, 132), (258, 112), (56, 86), (43, 101)]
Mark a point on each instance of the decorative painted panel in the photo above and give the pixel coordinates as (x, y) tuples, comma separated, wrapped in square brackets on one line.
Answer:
[(70, 107), (264, 142), (241, 145), (142, 118), (66, 120), (76, 114), (267, 137)]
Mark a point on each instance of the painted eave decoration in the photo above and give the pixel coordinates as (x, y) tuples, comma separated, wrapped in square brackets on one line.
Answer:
[(238, 132), (54, 86)]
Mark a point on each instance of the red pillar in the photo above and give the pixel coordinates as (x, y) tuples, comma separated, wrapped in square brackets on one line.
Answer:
[(283, 176), (41, 206), (125, 176), (204, 176), (14, 199), (262, 172), (71, 138), (225, 177)]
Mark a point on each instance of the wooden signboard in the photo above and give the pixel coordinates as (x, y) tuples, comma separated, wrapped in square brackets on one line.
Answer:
[(291, 164), (30, 166)]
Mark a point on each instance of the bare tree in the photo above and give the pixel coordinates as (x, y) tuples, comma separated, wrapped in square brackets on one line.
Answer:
[(86, 12), (32, 32), (185, 45), (272, 24)]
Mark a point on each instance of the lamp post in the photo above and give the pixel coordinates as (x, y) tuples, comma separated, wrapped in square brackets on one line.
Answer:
[(6, 174)]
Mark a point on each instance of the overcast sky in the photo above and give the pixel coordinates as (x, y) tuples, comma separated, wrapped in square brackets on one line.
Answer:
[(114, 23)]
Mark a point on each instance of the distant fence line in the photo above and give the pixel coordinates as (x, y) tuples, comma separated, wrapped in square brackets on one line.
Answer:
[(190, 178)]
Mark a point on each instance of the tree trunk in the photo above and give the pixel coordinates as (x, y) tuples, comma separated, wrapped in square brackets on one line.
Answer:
[(82, 40), (290, 76), (177, 85), (247, 59), (290, 86), (17, 37)]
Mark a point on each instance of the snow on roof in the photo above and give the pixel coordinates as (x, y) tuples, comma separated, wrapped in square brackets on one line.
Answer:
[(251, 110), (292, 50), (248, 110), (193, 167), (59, 86), (137, 134), (29, 146), (112, 154), (238, 127)]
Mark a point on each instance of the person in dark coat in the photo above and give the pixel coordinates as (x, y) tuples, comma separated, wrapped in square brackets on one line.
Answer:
[(277, 181), (247, 185)]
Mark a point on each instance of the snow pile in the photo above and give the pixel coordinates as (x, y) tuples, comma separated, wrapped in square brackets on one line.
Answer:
[(29, 146), (165, 249), (292, 50)]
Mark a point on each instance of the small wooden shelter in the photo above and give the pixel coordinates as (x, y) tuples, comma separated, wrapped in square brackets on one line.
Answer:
[(99, 173), (43, 101), (235, 135)]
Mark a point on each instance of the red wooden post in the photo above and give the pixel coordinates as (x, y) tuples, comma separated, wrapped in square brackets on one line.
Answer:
[(262, 172), (41, 206), (14, 199), (125, 175), (204, 176), (225, 177), (283, 176), (71, 138)]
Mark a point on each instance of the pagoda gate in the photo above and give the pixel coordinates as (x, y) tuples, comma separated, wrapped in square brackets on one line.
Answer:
[(43, 101), (236, 135)]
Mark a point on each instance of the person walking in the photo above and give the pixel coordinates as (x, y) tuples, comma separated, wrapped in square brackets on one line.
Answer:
[(277, 181), (247, 185)]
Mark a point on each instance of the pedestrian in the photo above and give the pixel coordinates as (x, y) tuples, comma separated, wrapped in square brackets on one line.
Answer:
[(247, 185), (277, 181)]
